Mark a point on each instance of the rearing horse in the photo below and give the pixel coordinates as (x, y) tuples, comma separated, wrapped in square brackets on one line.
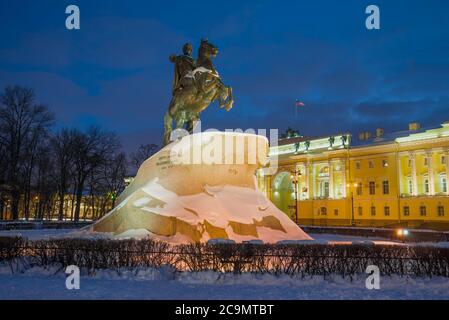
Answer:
[(199, 88)]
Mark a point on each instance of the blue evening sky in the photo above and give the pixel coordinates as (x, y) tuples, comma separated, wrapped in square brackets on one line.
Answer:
[(115, 70)]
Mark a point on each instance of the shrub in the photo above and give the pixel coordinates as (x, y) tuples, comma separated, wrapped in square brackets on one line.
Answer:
[(293, 259)]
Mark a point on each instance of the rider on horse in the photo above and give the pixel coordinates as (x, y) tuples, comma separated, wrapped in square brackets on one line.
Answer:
[(196, 84), (183, 65)]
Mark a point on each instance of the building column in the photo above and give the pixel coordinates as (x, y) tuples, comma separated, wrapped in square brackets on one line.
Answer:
[(399, 175), (343, 170), (446, 154), (268, 187), (430, 173), (313, 181), (306, 180), (331, 179), (412, 158)]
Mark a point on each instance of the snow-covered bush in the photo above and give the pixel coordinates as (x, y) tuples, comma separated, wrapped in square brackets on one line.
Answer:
[(293, 259)]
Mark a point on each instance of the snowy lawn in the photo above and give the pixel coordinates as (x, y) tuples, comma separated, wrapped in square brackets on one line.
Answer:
[(38, 283), (40, 234), (41, 283)]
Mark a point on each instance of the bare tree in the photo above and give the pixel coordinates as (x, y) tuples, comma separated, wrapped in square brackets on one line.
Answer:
[(44, 182), (62, 144), (3, 186), (38, 171), (142, 153), (114, 175), (22, 125), (105, 183), (91, 149)]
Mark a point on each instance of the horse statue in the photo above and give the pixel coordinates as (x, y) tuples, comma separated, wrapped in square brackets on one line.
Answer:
[(196, 85)]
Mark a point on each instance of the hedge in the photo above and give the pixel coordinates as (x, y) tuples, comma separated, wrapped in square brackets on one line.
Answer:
[(292, 259)]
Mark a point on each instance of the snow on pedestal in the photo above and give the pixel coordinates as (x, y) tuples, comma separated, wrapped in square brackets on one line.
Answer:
[(198, 188)]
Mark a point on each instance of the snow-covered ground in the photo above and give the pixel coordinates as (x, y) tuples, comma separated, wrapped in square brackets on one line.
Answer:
[(38, 234), (42, 234), (38, 283)]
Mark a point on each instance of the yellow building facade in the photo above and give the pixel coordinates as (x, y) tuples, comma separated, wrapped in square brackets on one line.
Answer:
[(398, 179)]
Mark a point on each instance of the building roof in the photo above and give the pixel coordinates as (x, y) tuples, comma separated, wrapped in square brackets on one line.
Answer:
[(386, 138), (293, 140)]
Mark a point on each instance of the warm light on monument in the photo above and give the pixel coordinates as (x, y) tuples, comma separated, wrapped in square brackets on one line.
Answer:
[(201, 186)]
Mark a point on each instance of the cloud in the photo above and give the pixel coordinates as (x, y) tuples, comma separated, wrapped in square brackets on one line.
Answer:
[(105, 42), (427, 110), (115, 70), (419, 78), (61, 94)]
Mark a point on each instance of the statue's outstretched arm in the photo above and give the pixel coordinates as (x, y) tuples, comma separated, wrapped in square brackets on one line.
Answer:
[(172, 58)]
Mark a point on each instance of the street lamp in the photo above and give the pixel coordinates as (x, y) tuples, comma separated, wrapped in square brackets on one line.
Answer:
[(36, 203), (350, 187), (295, 179), (402, 234)]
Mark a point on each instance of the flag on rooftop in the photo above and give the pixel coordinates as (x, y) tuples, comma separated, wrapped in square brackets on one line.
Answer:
[(299, 103)]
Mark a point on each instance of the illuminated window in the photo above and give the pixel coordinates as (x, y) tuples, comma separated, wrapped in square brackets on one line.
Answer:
[(373, 210), (443, 182), (357, 164), (359, 189), (406, 211), (387, 211), (360, 211), (422, 211), (323, 189), (440, 211), (426, 185), (372, 188), (386, 187), (410, 186), (384, 163), (370, 164)]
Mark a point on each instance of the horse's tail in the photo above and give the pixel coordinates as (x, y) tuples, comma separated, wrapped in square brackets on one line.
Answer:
[(230, 102), (230, 96), (168, 127)]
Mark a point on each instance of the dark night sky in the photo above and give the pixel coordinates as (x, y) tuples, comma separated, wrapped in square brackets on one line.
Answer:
[(115, 70)]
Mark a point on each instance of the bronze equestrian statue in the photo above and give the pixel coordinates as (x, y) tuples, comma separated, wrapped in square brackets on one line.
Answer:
[(196, 85)]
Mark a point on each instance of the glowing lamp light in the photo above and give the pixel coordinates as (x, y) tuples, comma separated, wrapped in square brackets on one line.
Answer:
[(402, 232)]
